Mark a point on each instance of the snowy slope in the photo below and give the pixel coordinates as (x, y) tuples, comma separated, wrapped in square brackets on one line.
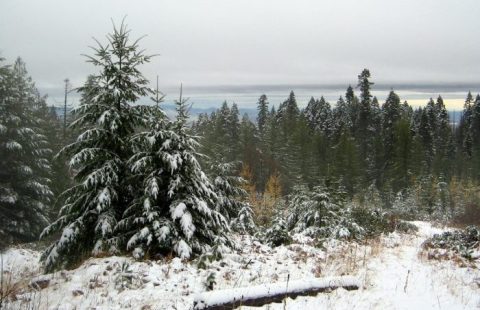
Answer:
[(400, 278), (382, 266)]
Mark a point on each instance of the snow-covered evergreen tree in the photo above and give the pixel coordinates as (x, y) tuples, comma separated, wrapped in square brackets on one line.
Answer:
[(24, 158), (232, 198), (324, 120), (342, 121), (353, 108), (277, 233), (425, 135), (391, 114), (321, 212), (310, 113), (272, 136), (442, 210), (233, 133), (444, 148), (365, 134), (262, 117), (318, 114), (175, 208), (287, 115), (99, 155), (475, 134), (402, 165), (464, 135)]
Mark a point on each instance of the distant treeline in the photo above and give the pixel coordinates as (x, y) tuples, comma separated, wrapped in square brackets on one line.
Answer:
[(356, 142)]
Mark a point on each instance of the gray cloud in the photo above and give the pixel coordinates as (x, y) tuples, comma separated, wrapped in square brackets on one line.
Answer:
[(225, 42)]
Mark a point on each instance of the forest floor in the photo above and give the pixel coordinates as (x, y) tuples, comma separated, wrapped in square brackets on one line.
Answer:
[(394, 271)]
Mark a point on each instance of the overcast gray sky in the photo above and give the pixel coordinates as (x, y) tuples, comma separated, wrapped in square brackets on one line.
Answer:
[(222, 42)]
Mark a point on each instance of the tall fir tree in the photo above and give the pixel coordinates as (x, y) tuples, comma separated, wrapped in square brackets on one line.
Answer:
[(464, 135), (426, 138), (444, 148), (262, 107), (324, 119), (98, 157), (287, 115), (475, 133), (25, 194), (346, 163), (391, 114), (341, 119), (353, 108), (311, 112), (234, 133), (365, 134), (401, 170)]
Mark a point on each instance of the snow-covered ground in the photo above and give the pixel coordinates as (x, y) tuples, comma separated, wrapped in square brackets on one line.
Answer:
[(401, 278), (393, 272)]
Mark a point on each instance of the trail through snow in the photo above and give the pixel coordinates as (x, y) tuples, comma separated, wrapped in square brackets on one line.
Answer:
[(400, 278)]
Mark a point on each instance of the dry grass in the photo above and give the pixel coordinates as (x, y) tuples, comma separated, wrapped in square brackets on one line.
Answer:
[(12, 290), (351, 258), (16, 287)]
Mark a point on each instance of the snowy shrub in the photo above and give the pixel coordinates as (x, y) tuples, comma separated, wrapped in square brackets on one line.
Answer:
[(433, 199), (372, 221), (428, 201), (277, 234), (214, 254), (231, 198), (210, 281), (463, 242), (405, 205), (372, 197), (126, 278), (243, 222), (406, 227), (441, 210), (321, 213)]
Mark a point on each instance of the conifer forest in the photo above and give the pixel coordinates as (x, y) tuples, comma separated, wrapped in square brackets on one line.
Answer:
[(117, 204)]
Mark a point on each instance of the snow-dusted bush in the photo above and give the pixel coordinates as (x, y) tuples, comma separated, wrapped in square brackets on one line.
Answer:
[(126, 278), (406, 227), (277, 233), (405, 205), (463, 242), (442, 210), (231, 198), (321, 213), (432, 196), (373, 221)]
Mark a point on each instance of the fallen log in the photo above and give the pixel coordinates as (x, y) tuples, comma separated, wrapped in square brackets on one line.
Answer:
[(259, 295)]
